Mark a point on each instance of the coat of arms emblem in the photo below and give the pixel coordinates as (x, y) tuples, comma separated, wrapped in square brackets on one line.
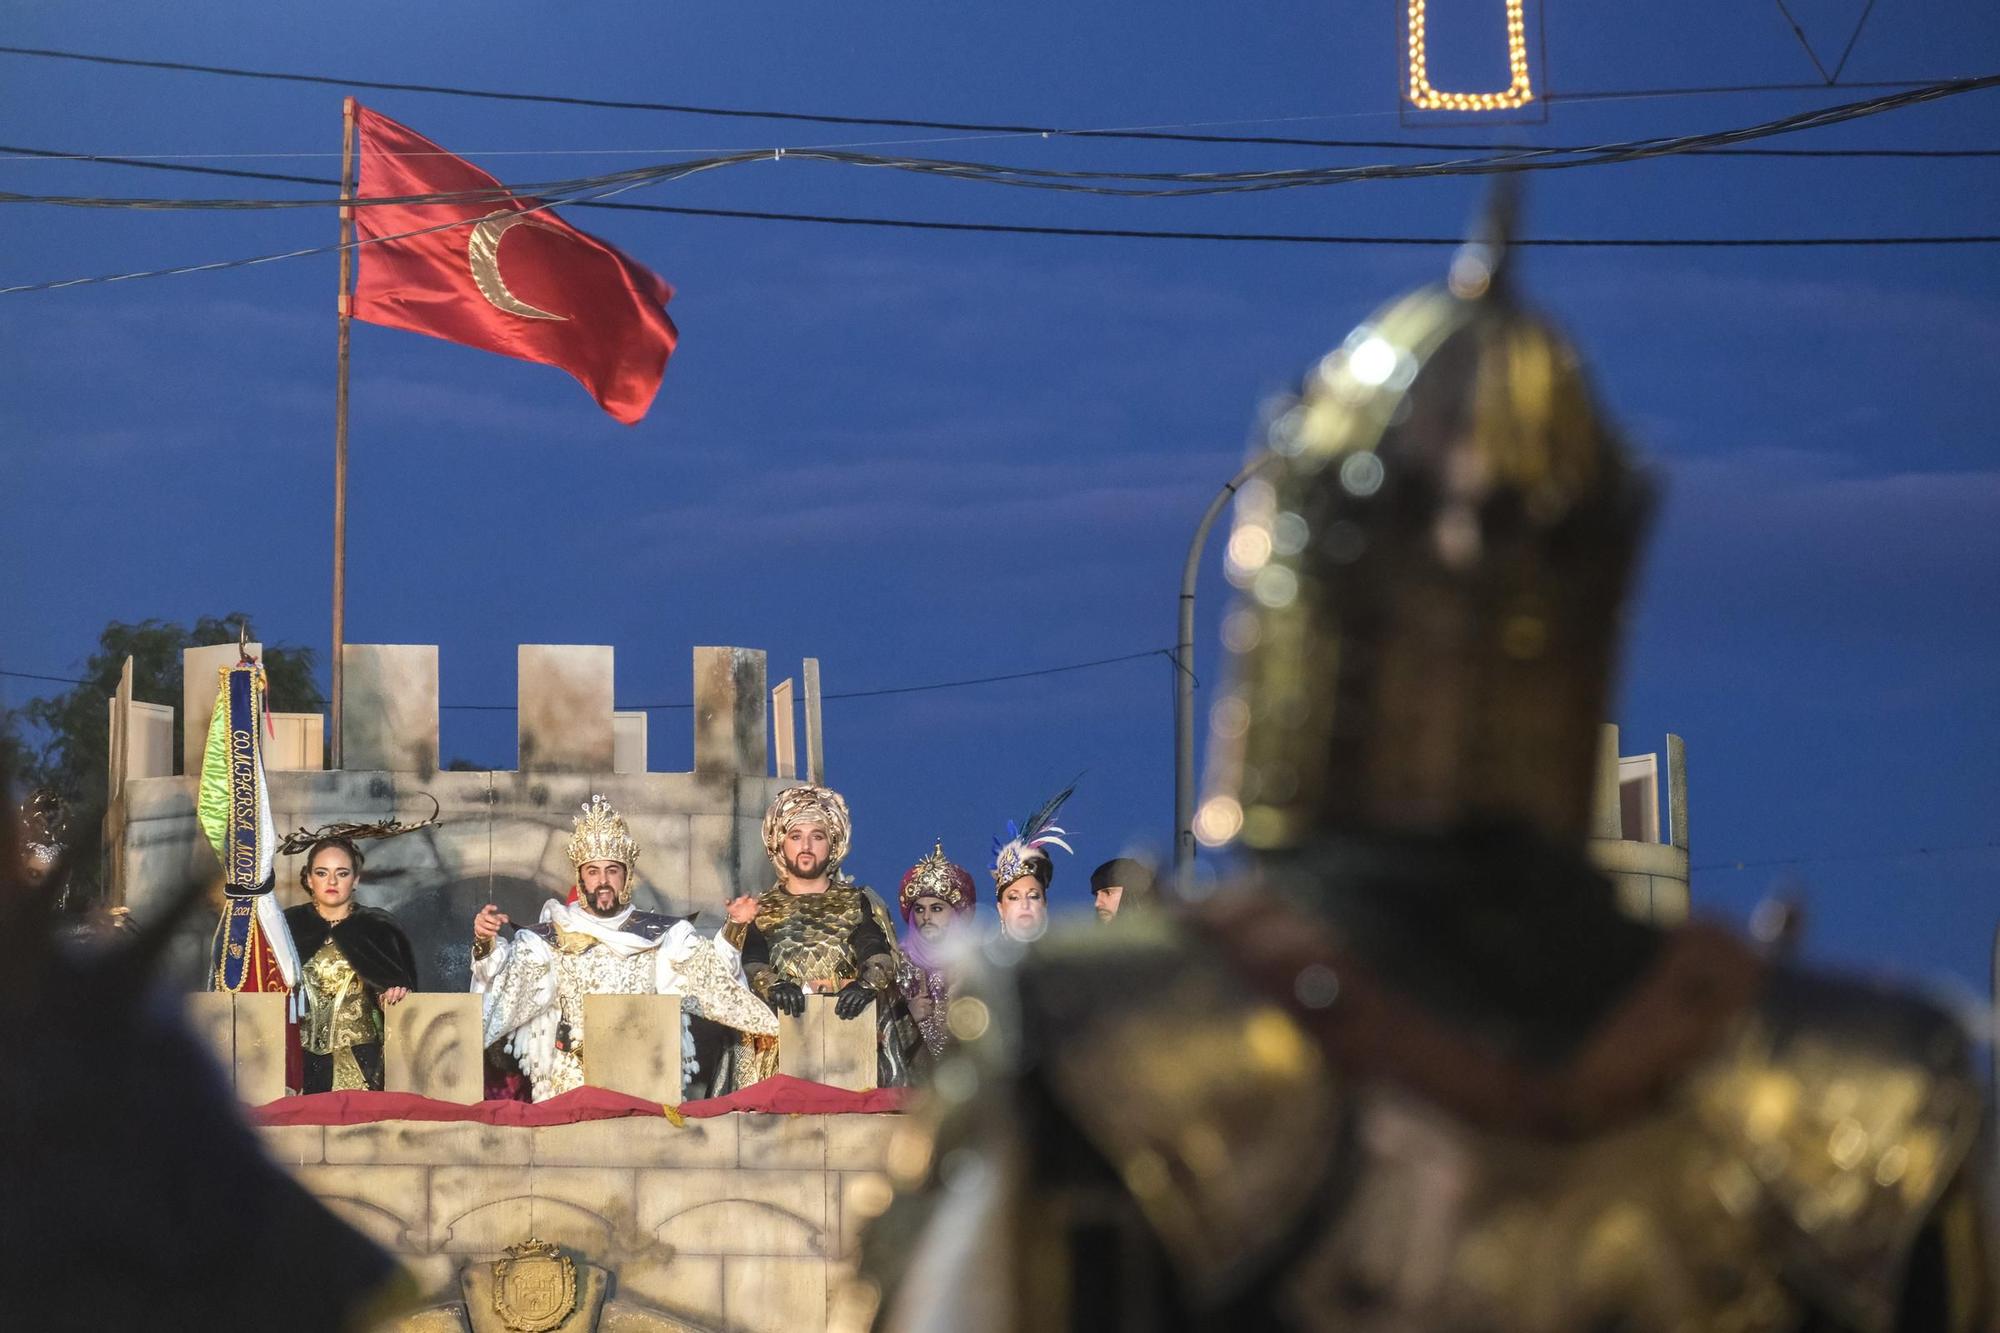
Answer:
[(534, 1287)]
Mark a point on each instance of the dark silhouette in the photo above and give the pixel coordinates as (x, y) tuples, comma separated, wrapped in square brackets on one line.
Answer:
[(132, 1195)]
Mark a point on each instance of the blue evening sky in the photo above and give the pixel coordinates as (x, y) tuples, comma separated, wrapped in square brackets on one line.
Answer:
[(926, 456)]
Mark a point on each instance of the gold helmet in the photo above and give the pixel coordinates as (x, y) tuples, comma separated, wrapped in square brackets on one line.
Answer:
[(1432, 567)]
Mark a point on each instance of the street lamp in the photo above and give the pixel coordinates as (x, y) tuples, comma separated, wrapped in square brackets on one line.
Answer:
[(1184, 672)]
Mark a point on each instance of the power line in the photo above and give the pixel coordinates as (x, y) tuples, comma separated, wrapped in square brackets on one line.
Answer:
[(1853, 37), (622, 181), (1012, 675), (894, 122), (1119, 183), (1168, 653), (845, 694), (1397, 145), (1800, 33), (220, 264), (1109, 233), (1847, 858), (1725, 89)]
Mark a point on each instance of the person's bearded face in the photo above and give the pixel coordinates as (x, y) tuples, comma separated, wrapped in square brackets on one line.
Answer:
[(805, 851), (931, 917), (599, 885)]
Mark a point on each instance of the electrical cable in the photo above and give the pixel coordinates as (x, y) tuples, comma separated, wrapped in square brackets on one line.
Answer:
[(844, 694), (1772, 863), (620, 182), (1160, 184), (895, 122), (1849, 858), (1110, 233), (253, 260)]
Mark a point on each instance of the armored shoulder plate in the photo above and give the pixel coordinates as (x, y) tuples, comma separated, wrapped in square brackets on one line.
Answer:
[(650, 925), (1217, 1112), (1849, 1112), (1783, 1180)]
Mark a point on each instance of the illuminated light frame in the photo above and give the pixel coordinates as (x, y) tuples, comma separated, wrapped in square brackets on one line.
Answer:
[(1518, 93)]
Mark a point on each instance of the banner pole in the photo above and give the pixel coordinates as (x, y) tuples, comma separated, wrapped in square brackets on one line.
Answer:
[(340, 415)]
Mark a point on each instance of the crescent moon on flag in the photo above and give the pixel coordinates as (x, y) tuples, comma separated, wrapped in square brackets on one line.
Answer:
[(483, 252)]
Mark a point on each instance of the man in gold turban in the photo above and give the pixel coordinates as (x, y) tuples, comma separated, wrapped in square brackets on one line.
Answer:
[(817, 930)]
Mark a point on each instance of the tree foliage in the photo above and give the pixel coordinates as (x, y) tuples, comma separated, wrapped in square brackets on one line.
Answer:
[(17, 757), (75, 754)]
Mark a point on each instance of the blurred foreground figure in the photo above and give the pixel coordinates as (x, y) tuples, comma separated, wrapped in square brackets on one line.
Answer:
[(1417, 1072), (131, 1194)]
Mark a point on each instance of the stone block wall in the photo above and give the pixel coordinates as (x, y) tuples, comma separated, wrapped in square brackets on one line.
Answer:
[(1651, 875), (740, 1222)]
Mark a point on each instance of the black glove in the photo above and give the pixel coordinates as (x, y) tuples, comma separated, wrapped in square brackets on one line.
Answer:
[(787, 998), (854, 997)]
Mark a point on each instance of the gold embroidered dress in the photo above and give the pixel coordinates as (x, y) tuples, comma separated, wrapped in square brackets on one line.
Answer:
[(340, 1015), (349, 963)]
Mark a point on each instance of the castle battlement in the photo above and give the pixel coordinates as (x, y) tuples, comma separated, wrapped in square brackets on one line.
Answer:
[(500, 835)]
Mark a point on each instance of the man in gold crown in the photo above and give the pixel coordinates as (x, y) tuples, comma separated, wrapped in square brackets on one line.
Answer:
[(817, 930), (1419, 1071), (599, 944)]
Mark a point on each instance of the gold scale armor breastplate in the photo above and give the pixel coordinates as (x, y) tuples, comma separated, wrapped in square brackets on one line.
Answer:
[(811, 935)]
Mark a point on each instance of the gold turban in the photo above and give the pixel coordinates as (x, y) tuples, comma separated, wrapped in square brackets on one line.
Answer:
[(808, 805)]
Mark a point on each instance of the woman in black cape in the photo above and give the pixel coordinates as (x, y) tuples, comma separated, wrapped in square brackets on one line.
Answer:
[(352, 961)]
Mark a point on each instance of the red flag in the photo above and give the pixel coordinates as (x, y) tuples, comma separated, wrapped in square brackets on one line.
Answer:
[(521, 284)]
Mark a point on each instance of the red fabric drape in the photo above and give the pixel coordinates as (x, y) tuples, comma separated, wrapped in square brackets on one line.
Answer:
[(779, 1095)]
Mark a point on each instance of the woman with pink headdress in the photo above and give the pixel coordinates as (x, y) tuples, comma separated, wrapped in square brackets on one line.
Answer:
[(937, 900)]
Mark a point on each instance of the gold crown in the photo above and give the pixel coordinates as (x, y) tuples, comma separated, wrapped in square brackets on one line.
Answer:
[(601, 835)]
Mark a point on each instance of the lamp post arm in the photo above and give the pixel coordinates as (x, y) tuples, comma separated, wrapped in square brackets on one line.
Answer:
[(1184, 669)]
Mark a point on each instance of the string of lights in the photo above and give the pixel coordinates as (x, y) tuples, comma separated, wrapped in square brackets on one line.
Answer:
[(1518, 92)]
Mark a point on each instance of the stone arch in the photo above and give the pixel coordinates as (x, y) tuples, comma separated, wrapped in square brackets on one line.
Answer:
[(691, 1230)]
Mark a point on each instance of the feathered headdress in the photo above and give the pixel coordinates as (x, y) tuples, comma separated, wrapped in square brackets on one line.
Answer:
[(1021, 853)]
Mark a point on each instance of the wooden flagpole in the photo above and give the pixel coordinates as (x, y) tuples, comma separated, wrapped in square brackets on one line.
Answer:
[(340, 414)]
